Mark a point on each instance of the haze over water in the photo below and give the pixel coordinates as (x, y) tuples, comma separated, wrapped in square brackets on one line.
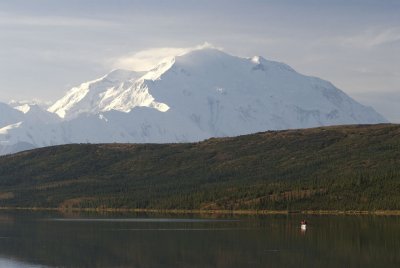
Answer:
[(58, 240)]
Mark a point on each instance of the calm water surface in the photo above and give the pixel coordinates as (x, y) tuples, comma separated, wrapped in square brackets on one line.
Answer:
[(37, 239)]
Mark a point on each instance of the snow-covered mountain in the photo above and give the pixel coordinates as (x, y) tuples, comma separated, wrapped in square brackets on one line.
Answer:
[(204, 93), (8, 115)]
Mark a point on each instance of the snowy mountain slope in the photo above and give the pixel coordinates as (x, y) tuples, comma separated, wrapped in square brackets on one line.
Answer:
[(9, 115), (27, 127), (118, 90), (226, 95), (141, 125), (204, 93), (35, 114)]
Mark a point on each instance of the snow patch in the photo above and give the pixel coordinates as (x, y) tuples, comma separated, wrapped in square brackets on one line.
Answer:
[(6, 129), (23, 108), (255, 59)]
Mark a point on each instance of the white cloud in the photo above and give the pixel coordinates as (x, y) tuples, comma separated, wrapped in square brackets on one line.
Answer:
[(372, 38), (146, 59), (52, 21)]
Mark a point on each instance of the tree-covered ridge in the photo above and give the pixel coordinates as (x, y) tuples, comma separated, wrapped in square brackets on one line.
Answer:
[(329, 168)]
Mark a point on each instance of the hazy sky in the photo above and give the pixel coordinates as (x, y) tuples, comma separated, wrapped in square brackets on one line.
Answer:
[(48, 46)]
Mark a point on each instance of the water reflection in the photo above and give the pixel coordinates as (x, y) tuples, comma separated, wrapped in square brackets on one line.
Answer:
[(93, 240), (9, 263), (169, 220)]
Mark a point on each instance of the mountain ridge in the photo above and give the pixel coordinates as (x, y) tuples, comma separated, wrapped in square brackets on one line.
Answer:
[(352, 167), (201, 94)]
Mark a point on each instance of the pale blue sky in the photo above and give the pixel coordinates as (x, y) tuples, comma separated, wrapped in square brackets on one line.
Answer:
[(47, 46)]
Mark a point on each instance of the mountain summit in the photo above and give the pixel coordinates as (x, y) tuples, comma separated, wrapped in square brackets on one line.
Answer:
[(201, 94)]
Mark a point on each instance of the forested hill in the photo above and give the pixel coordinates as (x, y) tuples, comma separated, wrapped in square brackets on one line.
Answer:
[(328, 168)]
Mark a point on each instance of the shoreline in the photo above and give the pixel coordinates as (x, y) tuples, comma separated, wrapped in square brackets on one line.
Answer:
[(213, 212)]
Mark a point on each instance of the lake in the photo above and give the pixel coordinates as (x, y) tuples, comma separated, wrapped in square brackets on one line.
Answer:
[(53, 239)]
